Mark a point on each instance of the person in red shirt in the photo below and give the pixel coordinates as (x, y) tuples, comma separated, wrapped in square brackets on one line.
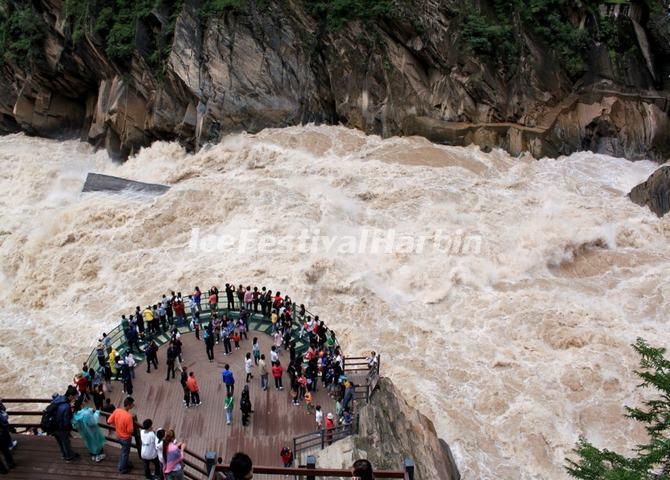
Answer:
[(179, 312), (122, 420), (213, 302), (278, 300), (192, 386), (330, 425), (286, 457), (277, 371)]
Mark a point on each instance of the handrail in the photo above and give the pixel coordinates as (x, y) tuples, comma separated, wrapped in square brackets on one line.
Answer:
[(310, 472)]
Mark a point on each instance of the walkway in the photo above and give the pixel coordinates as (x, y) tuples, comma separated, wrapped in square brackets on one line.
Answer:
[(38, 458), (275, 420)]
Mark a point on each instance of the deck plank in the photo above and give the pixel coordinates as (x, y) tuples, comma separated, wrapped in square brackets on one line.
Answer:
[(275, 421)]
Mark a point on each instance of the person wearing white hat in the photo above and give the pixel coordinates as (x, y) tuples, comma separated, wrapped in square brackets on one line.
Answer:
[(330, 425)]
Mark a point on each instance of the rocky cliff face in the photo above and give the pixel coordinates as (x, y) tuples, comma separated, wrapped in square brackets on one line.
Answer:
[(390, 431), (260, 63), (655, 192)]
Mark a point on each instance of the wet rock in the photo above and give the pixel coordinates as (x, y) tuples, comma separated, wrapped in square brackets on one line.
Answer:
[(655, 192), (272, 64)]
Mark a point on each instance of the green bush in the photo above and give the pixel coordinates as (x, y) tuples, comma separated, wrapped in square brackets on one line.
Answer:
[(337, 13), (21, 35)]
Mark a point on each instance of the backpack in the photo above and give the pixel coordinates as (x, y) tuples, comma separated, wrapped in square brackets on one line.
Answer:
[(49, 421)]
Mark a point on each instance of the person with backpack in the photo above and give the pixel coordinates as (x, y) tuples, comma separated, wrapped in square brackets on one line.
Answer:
[(86, 423), (57, 421), (123, 423)]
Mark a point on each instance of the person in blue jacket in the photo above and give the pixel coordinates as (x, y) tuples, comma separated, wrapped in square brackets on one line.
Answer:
[(228, 379), (64, 423)]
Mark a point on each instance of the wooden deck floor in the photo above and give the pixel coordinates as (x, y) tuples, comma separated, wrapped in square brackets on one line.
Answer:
[(38, 458), (275, 420)]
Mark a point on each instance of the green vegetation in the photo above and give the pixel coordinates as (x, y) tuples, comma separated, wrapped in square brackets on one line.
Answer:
[(116, 23), (652, 459), (337, 13), (567, 27), (21, 34)]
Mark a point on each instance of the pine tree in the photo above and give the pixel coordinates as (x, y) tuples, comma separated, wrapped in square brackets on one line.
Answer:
[(652, 459)]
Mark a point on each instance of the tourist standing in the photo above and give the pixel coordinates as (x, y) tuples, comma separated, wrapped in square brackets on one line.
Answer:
[(263, 372), (184, 386), (256, 349), (86, 423), (194, 390), (173, 456), (286, 457), (6, 443), (330, 425), (245, 405), (248, 365), (318, 416), (228, 379), (228, 404), (248, 298), (209, 342), (170, 360), (62, 422), (277, 372), (149, 453), (122, 421)]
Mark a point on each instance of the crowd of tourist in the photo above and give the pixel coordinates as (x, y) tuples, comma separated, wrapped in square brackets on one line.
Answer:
[(321, 366)]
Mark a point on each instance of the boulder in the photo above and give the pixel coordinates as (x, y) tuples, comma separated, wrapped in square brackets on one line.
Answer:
[(655, 192)]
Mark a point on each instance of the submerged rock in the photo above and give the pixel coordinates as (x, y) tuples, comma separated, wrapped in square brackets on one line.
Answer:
[(655, 192)]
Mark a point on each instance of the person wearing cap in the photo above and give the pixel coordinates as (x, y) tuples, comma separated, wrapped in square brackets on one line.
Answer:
[(330, 425)]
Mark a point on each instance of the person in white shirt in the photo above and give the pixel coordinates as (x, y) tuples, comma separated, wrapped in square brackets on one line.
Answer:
[(274, 356), (319, 417), (149, 452), (248, 366), (130, 361)]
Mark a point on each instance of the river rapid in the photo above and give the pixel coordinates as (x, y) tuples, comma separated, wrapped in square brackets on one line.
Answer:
[(504, 309)]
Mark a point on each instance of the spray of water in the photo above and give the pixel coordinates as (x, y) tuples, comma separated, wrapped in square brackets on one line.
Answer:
[(513, 348)]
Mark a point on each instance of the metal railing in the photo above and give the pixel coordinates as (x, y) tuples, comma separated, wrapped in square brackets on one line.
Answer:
[(118, 338), (311, 472), (194, 461)]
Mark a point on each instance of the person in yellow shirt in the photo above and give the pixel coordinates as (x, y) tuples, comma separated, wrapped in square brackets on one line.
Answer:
[(112, 363), (148, 315)]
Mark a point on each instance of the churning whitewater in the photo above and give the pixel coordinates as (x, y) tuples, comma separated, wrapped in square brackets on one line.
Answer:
[(513, 347)]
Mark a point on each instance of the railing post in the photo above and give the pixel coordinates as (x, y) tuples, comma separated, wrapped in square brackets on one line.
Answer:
[(210, 461), (323, 439), (311, 465), (409, 469)]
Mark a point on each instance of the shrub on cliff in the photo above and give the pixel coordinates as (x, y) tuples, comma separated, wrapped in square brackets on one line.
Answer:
[(21, 34), (652, 459)]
